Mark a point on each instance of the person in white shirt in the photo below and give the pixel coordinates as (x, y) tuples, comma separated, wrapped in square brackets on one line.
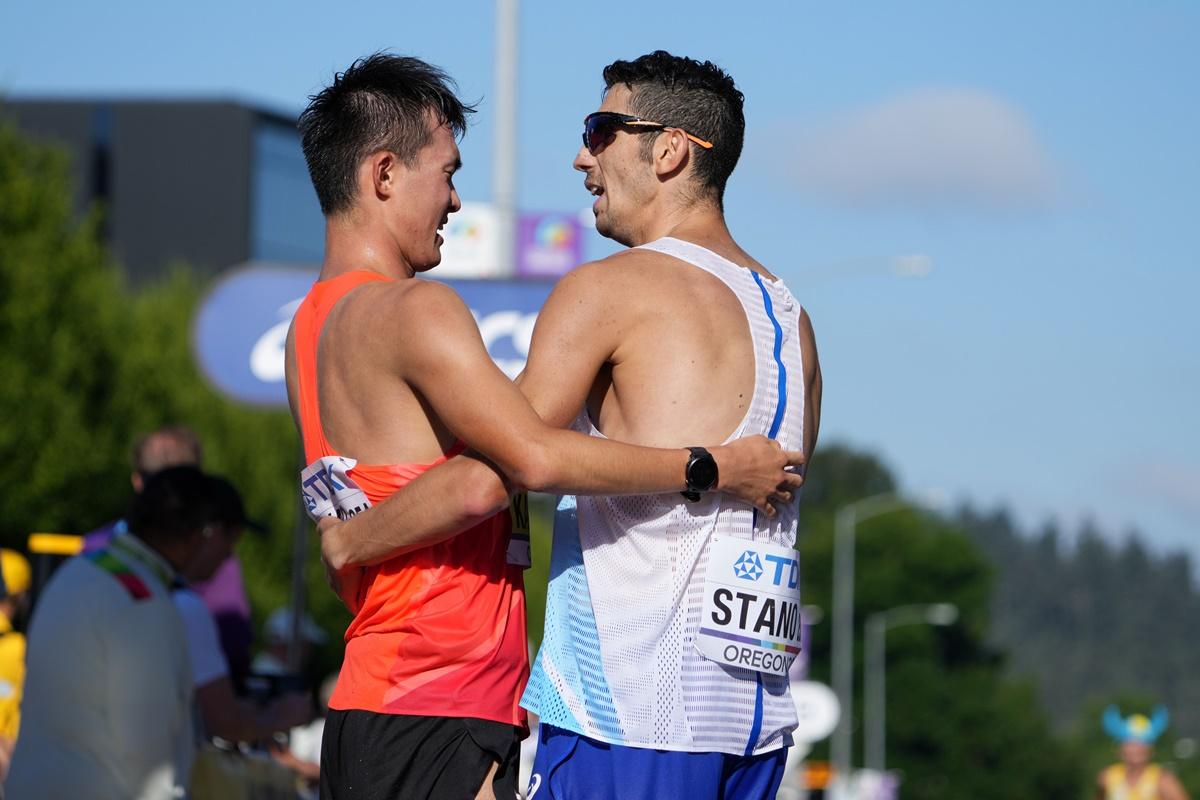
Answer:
[(108, 698), (222, 712)]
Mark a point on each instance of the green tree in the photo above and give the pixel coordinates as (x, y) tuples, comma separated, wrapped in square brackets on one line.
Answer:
[(956, 726), (1096, 750), (87, 365), (62, 324)]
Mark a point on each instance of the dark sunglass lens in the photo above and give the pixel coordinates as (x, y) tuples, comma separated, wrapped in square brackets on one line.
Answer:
[(598, 133)]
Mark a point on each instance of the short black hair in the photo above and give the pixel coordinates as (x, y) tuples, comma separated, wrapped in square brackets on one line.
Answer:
[(699, 97), (382, 102), (174, 504)]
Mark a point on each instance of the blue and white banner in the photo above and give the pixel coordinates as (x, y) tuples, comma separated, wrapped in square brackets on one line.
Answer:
[(240, 330)]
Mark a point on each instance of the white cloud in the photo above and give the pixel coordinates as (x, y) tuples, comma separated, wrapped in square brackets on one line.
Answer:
[(1172, 485), (927, 149)]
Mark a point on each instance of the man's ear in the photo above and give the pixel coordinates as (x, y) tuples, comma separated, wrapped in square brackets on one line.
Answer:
[(382, 170), (670, 152)]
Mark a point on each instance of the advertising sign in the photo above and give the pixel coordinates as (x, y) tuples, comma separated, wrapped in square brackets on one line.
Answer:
[(548, 245), (471, 244), (242, 325)]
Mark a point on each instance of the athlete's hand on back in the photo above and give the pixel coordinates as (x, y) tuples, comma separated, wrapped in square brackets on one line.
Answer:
[(755, 469), (343, 579)]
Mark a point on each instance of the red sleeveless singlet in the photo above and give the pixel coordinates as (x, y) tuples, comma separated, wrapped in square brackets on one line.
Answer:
[(439, 631)]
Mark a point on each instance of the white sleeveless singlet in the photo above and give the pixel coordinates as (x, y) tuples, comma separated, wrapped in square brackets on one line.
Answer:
[(617, 661)]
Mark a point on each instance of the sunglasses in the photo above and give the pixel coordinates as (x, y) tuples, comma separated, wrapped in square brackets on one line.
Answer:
[(600, 128)]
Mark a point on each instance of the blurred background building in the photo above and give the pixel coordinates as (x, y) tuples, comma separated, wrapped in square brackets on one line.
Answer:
[(208, 183), (217, 183)]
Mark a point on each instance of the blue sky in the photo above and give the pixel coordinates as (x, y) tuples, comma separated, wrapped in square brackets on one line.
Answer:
[(1042, 157)]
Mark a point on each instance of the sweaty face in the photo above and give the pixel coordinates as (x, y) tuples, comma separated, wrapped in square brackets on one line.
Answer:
[(425, 198), (618, 177)]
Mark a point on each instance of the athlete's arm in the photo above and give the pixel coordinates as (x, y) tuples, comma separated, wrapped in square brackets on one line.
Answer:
[(578, 331), (471, 396), (813, 384), (436, 505)]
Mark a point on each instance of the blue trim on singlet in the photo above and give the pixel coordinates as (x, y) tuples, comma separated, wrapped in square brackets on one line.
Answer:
[(570, 641), (756, 728), (782, 399), (780, 405)]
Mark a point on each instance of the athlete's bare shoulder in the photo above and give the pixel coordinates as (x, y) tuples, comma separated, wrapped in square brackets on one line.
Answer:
[(621, 278), (394, 308)]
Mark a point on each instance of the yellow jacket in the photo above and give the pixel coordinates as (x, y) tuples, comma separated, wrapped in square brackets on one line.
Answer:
[(12, 677), (1116, 785)]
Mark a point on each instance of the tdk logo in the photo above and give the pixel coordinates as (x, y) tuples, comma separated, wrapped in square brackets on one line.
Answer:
[(750, 567), (321, 478)]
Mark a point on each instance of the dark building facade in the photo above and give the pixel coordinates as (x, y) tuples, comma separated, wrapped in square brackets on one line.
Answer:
[(209, 184)]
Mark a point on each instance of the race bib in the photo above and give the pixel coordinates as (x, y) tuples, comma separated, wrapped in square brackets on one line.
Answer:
[(751, 616), (520, 553), (328, 490)]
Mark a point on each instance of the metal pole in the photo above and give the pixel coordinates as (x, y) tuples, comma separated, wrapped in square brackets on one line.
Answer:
[(875, 670), (874, 691), (295, 649), (842, 666), (504, 152)]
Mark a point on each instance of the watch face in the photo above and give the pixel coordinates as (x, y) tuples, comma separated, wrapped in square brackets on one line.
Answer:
[(702, 473)]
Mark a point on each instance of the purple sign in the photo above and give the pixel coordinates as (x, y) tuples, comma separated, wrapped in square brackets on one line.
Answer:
[(548, 245)]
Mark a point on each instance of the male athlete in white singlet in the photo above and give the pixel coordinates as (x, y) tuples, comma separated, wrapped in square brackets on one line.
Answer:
[(670, 621)]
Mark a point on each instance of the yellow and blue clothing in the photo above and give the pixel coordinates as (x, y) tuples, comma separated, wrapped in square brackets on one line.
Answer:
[(1115, 780), (12, 678)]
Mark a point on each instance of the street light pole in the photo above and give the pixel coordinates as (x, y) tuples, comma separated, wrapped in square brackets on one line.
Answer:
[(875, 670), (842, 666), (504, 147)]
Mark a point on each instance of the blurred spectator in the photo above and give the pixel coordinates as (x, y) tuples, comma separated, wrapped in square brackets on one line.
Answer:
[(173, 446), (302, 751), (223, 592), (14, 568), (222, 713), (277, 631), (1134, 777), (108, 696)]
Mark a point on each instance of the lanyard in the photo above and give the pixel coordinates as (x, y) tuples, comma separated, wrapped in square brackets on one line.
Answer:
[(122, 546)]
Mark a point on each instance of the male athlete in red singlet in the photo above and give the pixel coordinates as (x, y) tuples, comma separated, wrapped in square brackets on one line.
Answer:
[(388, 377)]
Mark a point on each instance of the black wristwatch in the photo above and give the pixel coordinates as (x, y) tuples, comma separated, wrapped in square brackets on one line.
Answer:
[(700, 474)]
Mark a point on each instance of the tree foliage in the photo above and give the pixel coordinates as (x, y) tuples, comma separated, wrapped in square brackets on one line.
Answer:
[(957, 726), (1093, 623), (88, 365)]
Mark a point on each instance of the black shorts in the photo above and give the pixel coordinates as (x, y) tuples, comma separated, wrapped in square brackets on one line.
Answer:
[(369, 756)]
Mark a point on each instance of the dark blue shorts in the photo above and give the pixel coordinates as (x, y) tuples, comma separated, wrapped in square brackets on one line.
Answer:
[(573, 767)]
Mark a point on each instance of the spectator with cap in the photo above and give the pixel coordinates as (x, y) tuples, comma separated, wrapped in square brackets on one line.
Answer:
[(223, 592), (222, 713), (1135, 776), (107, 711), (14, 568), (171, 446)]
